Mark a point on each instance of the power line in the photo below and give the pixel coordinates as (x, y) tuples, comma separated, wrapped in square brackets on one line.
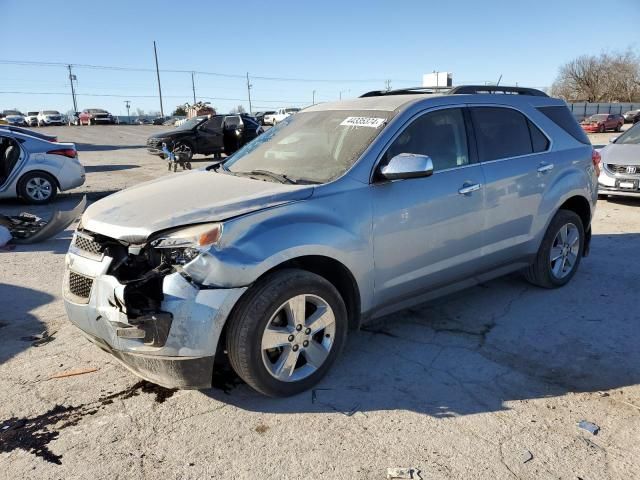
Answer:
[(199, 72)]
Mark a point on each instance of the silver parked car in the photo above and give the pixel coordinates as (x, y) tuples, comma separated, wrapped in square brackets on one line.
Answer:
[(34, 168), (341, 213), (620, 175)]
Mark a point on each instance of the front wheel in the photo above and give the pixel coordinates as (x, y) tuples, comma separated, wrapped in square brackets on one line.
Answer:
[(560, 252), (601, 129), (286, 332)]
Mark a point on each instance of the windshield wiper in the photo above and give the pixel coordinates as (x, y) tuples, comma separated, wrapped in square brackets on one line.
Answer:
[(282, 178)]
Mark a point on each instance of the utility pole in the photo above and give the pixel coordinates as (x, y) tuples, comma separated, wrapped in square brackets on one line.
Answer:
[(155, 52), (249, 86), (313, 102), (72, 77), (193, 86), (388, 85), (344, 91), (128, 104), (499, 80)]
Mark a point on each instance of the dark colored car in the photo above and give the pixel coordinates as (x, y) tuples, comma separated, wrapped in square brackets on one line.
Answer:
[(33, 133), (93, 116), (601, 122), (159, 120), (143, 121), (260, 116), (208, 135), (636, 118)]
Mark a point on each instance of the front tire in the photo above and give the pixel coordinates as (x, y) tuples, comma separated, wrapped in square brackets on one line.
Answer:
[(560, 252), (37, 188), (286, 332)]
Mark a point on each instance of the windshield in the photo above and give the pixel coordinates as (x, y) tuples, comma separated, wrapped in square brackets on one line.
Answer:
[(630, 137), (51, 112), (32, 113), (597, 118), (291, 110), (192, 122), (96, 110), (311, 146)]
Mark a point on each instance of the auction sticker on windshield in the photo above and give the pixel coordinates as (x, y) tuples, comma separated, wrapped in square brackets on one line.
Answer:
[(372, 122)]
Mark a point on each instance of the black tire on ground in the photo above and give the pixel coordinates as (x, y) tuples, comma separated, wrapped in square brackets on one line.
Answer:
[(25, 187), (540, 272), (601, 129), (251, 315), (619, 127)]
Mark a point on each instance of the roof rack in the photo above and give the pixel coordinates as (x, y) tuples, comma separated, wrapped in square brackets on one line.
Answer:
[(460, 90), (406, 91), (479, 89)]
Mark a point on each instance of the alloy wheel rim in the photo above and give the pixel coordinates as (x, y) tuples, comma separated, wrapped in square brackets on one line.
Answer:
[(298, 338), (38, 188), (564, 251)]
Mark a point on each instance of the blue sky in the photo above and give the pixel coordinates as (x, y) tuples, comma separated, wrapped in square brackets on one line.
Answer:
[(331, 46)]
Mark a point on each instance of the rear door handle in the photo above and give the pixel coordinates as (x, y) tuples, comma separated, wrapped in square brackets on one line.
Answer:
[(545, 167), (467, 188)]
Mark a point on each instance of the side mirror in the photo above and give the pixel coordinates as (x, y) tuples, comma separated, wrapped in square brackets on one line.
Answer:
[(613, 139), (407, 165)]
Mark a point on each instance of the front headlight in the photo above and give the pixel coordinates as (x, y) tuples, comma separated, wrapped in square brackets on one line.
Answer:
[(179, 247)]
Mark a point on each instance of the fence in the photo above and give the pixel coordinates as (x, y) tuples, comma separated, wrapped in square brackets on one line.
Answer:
[(583, 110)]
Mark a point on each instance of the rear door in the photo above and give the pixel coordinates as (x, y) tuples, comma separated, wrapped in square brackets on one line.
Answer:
[(517, 166), (427, 232)]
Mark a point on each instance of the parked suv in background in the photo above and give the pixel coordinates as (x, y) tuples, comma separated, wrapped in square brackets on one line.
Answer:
[(94, 116), (340, 214), (31, 118), (50, 117), (207, 135), (601, 122)]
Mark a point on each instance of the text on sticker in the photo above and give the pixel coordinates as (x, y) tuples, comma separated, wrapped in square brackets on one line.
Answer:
[(372, 122)]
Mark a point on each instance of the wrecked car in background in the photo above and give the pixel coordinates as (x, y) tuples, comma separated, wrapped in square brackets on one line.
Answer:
[(34, 168), (341, 213)]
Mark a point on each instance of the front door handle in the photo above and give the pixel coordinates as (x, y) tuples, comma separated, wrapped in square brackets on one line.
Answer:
[(545, 167), (467, 188)]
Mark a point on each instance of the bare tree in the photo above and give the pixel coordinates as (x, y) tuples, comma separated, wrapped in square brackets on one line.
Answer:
[(238, 109), (609, 77), (140, 112)]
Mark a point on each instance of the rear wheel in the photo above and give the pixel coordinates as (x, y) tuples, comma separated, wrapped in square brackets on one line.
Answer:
[(37, 187), (619, 127), (601, 129), (559, 254), (286, 332)]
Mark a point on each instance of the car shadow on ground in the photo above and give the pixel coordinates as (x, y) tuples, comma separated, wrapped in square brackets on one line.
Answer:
[(108, 168), (19, 328), (92, 147), (476, 350)]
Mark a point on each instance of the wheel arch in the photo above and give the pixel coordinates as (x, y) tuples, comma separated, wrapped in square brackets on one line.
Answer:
[(35, 170)]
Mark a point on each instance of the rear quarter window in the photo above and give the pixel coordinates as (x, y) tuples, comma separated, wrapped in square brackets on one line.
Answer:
[(561, 116)]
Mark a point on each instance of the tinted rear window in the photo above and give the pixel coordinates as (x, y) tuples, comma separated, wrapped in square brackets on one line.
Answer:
[(562, 117), (501, 133)]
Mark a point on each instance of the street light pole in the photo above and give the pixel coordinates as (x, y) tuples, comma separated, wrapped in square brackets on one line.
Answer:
[(73, 92), (193, 86), (249, 92)]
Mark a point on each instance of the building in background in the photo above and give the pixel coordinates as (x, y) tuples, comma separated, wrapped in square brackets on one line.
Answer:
[(437, 80)]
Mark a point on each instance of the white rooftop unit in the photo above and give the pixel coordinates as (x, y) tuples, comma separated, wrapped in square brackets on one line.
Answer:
[(437, 79)]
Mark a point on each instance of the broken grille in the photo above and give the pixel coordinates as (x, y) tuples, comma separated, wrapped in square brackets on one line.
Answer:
[(80, 286), (88, 245)]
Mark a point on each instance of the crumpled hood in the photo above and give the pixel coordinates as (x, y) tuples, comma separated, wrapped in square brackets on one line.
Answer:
[(626, 154), (133, 214)]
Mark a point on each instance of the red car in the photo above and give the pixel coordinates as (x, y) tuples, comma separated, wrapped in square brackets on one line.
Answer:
[(601, 122), (93, 116)]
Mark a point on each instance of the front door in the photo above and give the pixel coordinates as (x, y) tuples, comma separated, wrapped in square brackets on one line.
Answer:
[(209, 136), (427, 232)]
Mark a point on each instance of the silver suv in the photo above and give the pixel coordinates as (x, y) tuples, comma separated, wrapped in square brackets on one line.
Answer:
[(343, 213)]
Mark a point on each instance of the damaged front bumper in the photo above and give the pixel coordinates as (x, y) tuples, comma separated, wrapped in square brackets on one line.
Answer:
[(173, 343)]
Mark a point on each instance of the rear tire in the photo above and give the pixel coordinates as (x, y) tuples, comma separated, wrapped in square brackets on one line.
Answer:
[(286, 331), (37, 188), (601, 129), (560, 252), (619, 127)]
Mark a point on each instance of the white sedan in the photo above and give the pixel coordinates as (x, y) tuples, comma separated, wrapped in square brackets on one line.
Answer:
[(35, 169)]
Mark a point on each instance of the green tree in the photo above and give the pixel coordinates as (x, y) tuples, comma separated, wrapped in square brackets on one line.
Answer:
[(180, 111)]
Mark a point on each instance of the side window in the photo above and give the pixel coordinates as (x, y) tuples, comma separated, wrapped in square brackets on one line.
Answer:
[(501, 133), (212, 124), (539, 142), (441, 135)]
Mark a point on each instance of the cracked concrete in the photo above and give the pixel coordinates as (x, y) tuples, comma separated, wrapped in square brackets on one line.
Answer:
[(458, 388)]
